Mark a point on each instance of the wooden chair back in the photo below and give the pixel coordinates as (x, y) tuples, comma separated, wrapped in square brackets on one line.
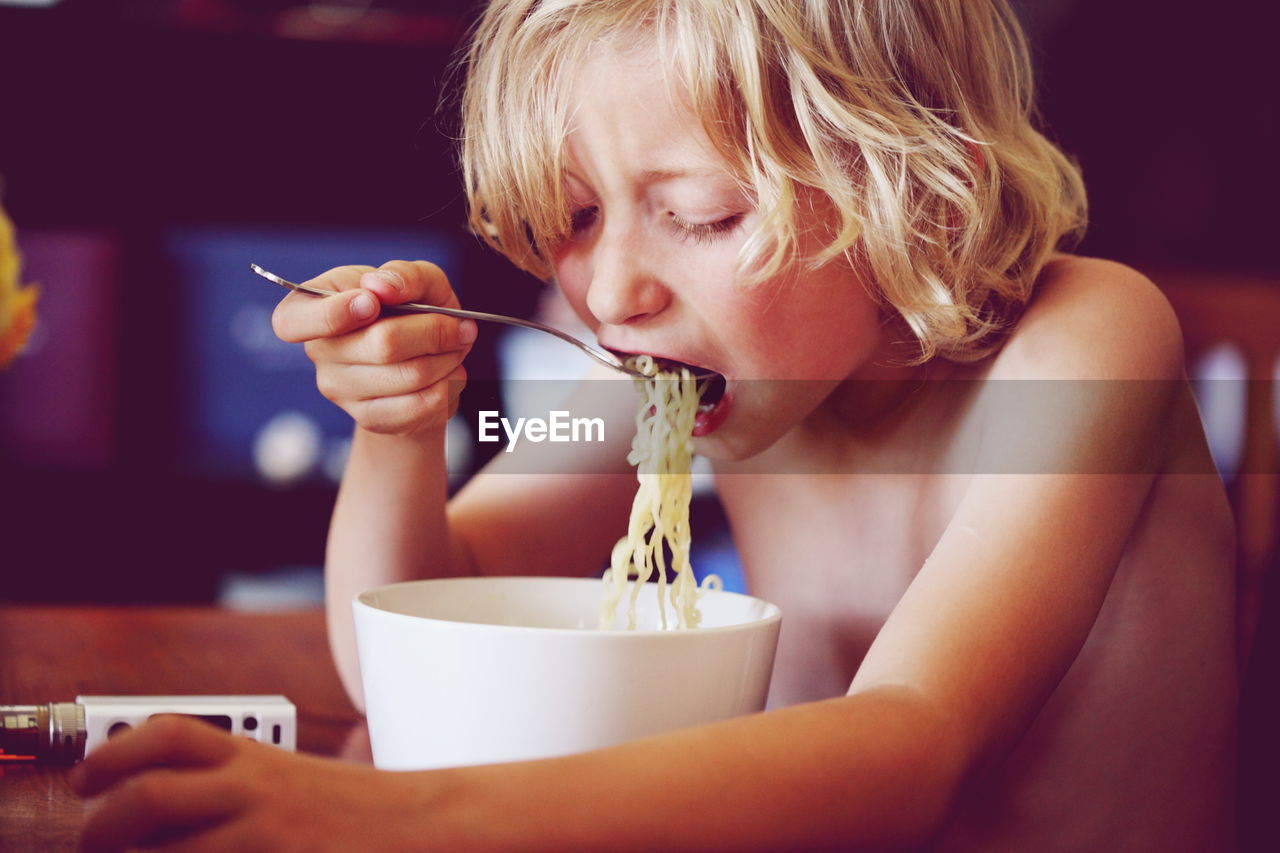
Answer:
[(1244, 311)]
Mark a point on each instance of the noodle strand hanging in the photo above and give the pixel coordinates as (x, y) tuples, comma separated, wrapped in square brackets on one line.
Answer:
[(662, 452)]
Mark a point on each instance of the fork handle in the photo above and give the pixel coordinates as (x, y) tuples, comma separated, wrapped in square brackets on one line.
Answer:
[(607, 359), (463, 314)]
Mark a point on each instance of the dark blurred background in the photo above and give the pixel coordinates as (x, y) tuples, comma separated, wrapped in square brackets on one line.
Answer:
[(157, 445)]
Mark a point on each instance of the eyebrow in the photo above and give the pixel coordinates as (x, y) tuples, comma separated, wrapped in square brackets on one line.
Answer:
[(657, 176), (648, 177)]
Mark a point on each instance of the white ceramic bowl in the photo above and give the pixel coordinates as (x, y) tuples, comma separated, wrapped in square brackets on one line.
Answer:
[(479, 670)]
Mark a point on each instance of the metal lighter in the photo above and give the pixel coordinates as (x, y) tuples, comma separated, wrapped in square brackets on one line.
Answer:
[(64, 732)]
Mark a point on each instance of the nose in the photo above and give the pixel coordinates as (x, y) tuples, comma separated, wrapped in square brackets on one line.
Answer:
[(624, 287)]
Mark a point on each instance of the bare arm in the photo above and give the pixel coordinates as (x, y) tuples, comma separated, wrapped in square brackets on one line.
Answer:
[(872, 771), (399, 378), (388, 526), (868, 771), (521, 516), (555, 509)]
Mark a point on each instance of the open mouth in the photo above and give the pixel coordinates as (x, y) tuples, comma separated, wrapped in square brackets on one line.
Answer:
[(711, 385), (713, 404), (711, 392), (713, 399)]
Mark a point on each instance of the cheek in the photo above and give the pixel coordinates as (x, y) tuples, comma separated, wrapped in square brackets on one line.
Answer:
[(573, 277), (815, 330)]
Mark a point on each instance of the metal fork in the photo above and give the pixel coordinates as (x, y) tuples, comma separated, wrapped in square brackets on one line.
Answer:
[(606, 358)]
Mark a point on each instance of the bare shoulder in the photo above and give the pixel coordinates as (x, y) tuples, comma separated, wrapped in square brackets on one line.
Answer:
[(1093, 319)]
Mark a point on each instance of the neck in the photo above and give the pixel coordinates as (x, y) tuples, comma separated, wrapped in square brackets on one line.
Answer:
[(880, 392)]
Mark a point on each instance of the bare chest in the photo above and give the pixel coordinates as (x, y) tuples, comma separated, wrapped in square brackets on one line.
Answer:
[(836, 553)]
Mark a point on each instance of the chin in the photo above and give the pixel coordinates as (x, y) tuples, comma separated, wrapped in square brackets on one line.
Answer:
[(719, 449), (758, 422), (737, 440)]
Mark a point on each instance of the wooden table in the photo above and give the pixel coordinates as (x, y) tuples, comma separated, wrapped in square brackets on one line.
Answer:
[(53, 654)]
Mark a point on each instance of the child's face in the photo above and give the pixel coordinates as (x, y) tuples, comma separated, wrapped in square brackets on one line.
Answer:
[(658, 222)]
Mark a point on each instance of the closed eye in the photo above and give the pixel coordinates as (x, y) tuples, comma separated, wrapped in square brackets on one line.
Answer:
[(705, 232), (582, 219)]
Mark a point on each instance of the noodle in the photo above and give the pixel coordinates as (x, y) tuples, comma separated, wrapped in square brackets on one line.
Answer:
[(663, 453)]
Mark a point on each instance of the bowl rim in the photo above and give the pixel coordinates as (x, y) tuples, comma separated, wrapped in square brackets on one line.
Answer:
[(357, 602)]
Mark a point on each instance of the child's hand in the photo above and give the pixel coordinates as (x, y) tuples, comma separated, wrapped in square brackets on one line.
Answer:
[(401, 375), (182, 784)]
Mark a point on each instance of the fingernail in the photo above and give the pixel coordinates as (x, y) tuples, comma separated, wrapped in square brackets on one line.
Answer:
[(392, 278), (467, 331), (363, 307)]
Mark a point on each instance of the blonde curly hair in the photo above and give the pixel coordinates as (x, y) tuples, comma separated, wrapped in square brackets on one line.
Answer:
[(916, 118)]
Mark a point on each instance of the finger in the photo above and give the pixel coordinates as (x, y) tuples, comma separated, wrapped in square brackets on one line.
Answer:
[(358, 382), (396, 339), (340, 279), (300, 317), (164, 741), (428, 408), (157, 807), (410, 281)]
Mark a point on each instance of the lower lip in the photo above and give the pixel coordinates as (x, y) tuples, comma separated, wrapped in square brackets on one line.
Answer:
[(706, 423)]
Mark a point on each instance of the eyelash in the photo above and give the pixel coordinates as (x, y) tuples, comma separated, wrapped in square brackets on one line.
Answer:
[(705, 232), (699, 232), (581, 219)]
